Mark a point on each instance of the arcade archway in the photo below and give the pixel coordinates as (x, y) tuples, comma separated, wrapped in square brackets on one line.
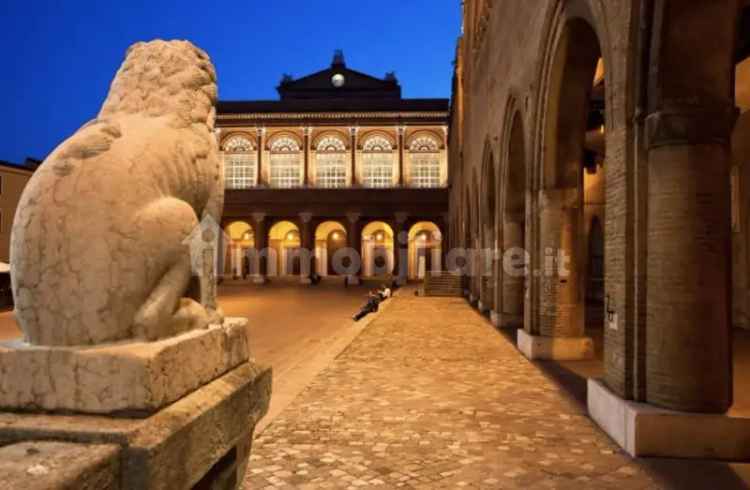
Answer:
[(330, 237), (283, 249), (377, 249), (425, 249)]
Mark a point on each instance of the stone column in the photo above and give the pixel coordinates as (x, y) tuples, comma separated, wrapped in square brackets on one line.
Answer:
[(261, 245), (401, 131), (261, 145), (354, 241), (306, 170), (353, 142), (307, 247), (401, 249), (688, 354)]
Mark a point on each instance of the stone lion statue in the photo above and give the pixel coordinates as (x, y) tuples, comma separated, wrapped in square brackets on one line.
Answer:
[(99, 243)]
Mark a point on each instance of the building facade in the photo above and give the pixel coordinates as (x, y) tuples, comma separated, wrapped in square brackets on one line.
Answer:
[(340, 161), (607, 140), (13, 179)]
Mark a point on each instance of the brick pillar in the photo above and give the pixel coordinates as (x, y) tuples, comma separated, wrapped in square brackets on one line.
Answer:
[(261, 243), (354, 242), (401, 249), (562, 309), (513, 277), (688, 132), (688, 353), (307, 247)]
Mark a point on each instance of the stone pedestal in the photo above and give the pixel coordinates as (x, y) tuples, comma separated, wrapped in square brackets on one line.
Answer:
[(483, 308), (131, 378), (555, 348), (203, 438), (353, 280), (643, 430), (259, 279)]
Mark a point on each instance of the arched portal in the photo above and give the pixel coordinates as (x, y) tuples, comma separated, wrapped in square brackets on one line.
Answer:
[(242, 239), (284, 249), (377, 249), (488, 233), (515, 274), (330, 237), (425, 249), (574, 138)]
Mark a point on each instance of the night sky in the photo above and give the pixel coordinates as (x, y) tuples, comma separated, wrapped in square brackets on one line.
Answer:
[(59, 57)]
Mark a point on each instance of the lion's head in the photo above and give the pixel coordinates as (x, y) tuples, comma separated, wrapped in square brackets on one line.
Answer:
[(164, 78)]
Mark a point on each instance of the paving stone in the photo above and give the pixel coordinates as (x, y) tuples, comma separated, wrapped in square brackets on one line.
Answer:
[(431, 396)]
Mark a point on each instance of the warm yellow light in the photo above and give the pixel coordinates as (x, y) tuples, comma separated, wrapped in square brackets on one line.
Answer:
[(290, 235), (601, 130), (335, 235), (379, 236)]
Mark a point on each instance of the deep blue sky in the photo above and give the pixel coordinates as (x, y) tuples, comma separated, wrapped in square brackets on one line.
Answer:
[(59, 56)]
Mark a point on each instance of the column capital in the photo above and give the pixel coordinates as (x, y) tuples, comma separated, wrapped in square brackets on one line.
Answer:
[(305, 217), (306, 130), (261, 130), (353, 130), (691, 122), (258, 217), (401, 130)]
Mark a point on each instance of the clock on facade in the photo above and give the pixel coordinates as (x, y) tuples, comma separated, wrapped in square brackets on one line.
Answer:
[(338, 80)]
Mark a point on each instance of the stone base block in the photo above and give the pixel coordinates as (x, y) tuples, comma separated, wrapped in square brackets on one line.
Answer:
[(473, 300), (495, 318), (203, 440), (353, 280), (60, 465), (127, 378), (305, 280), (555, 348), (258, 279), (643, 430), (483, 308)]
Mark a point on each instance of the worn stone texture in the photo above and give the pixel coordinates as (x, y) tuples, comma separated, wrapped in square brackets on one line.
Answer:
[(174, 448), (430, 396), (97, 248), (60, 466), (134, 378)]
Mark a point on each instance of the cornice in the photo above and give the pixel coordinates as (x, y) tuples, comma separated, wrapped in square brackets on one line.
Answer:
[(334, 115)]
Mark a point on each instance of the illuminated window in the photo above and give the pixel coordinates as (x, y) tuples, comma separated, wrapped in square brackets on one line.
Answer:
[(377, 164), (330, 165), (425, 162), (239, 163), (286, 164)]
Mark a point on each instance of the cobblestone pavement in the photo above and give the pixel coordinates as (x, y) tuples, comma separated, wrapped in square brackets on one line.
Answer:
[(431, 396)]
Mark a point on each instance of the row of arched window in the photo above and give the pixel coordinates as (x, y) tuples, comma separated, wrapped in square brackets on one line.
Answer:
[(331, 162)]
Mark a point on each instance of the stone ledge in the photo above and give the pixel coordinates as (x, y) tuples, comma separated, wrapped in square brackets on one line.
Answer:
[(174, 448), (555, 348), (128, 378), (60, 465), (643, 430)]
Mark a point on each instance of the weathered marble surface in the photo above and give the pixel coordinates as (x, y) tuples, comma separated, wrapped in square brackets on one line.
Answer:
[(127, 378), (46, 465), (97, 248), (176, 447)]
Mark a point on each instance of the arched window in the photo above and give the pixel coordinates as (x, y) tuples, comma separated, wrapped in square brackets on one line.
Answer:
[(377, 165), (330, 162), (424, 153), (286, 164), (240, 160)]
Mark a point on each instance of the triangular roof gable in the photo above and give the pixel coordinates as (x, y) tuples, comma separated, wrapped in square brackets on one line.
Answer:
[(320, 84)]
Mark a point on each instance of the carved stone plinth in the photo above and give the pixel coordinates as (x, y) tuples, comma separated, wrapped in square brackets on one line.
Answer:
[(204, 438), (127, 378)]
